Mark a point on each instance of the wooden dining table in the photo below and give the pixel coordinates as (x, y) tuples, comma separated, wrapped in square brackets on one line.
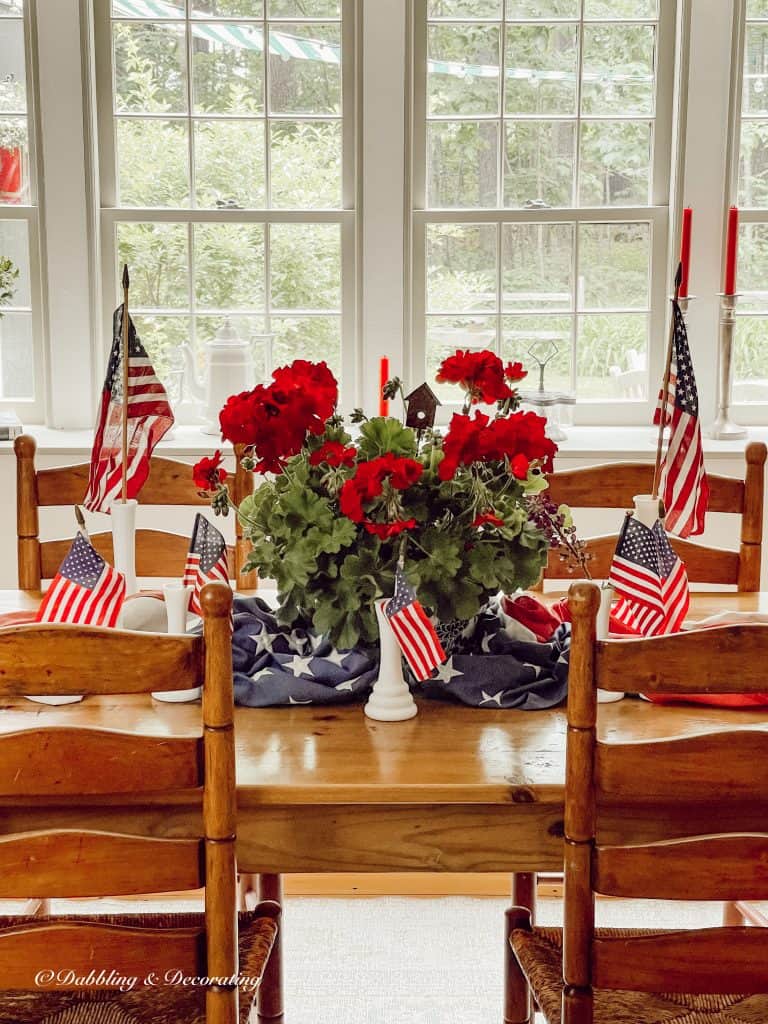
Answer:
[(324, 789)]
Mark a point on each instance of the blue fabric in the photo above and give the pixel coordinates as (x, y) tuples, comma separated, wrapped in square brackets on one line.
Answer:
[(486, 667)]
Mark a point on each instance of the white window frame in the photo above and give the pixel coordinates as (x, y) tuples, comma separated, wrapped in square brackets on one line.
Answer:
[(657, 216), (346, 216)]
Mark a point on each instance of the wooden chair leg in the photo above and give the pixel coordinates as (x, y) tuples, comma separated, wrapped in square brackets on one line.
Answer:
[(270, 1001), (524, 892), (732, 916), (518, 1005), (244, 887), (577, 1006)]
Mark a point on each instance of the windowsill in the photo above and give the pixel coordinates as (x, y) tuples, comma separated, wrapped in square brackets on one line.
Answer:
[(582, 442)]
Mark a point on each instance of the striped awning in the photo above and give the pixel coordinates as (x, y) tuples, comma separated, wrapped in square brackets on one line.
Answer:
[(288, 46)]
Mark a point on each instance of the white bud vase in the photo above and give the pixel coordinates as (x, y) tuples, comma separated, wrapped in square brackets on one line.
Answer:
[(391, 699), (603, 629), (176, 603), (124, 542)]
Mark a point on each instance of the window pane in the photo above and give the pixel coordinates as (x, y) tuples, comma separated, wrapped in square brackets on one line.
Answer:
[(464, 9), (14, 160), (150, 68), (227, 8), (305, 266), (462, 166), (17, 378), (538, 266), (461, 267), (633, 9), (753, 267), (548, 335), (446, 334), (750, 359), (159, 263), (755, 90), (539, 164), (229, 266), (757, 8), (14, 245), (312, 337), (615, 163), (753, 164), (611, 356), (618, 64), (11, 8), (148, 8), (305, 169), (249, 328), (228, 68), (152, 162), (615, 265), (463, 69), (163, 336), (540, 10), (229, 164), (13, 86), (305, 69), (541, 63), (304, 9)]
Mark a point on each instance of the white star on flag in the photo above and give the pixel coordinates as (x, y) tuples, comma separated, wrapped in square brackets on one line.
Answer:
[(495, 698), (300, 666), (446, 672)]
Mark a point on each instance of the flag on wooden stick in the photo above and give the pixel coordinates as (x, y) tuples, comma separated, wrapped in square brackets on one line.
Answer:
[(85, 590), (414, 632), (684, 485), (206, 561), (650, 580), (149, 417)]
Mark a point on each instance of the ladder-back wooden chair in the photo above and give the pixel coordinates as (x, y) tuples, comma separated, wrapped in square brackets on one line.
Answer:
[(77, 765), (681, 790), (613, 486), (158, 553)]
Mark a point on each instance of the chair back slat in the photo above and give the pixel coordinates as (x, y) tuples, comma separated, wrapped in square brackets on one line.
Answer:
[(158, 553), (703, 565), (722, 867), (86, 762), (129, 952), (699, 661), (69, 863), (684, 770), (168, 483), (62, 659), (713, 960)]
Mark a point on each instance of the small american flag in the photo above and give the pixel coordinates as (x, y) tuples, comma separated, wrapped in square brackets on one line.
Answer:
[(650, 580), (85, 589), (684, 489), (206, 560), (149, 418), (414, 632)]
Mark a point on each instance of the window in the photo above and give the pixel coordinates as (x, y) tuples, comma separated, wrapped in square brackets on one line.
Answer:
[(20, 327), (541, 154), (228, 180), (751, 333)]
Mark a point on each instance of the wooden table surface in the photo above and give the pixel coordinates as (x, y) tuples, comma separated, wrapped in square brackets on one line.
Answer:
[(324, 789)]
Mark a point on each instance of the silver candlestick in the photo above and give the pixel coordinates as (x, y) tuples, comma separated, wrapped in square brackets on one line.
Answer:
[(724, 429)]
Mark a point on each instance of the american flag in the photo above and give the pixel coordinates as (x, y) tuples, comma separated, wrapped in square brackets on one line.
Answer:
[(650, 580), (414, 632), (85, 589), (149, 418), (684, 489), (206, 560)]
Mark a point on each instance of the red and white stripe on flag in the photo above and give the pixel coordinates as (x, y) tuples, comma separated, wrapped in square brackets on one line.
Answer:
[(85, 590), (413, 631)]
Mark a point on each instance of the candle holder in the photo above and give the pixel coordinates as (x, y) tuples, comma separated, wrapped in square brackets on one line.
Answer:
[(724, 429)]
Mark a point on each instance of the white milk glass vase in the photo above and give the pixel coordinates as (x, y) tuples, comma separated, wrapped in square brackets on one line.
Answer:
[(123, 514), (391, 699), (177, 603)]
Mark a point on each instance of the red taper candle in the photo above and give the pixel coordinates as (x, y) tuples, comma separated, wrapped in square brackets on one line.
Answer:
[(383, 378), (685, 250), (731, 247)]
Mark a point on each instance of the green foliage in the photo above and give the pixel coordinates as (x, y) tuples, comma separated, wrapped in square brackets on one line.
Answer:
[(9, 274)]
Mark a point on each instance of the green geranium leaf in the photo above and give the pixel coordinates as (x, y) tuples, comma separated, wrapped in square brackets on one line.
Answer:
[(379, 436)]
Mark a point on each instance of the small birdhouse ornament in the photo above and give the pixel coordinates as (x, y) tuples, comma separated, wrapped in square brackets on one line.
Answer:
[(422, 406)]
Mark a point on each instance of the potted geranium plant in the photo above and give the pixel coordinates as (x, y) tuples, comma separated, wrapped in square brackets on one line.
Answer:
[(13, 138), (336, 510)]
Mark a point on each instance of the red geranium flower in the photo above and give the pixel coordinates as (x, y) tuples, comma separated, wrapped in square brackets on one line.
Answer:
[(368, 482), (489, 518), (480, 374), (334, 454), (515, 372), (207, 474), (522, 433), (519, 466), (387, 530), (464, 444)]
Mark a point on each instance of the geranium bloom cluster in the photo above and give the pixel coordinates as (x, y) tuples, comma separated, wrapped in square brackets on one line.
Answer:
[(482, 375), (367, 485), (208, 474), (275, 419), (518, 438)]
